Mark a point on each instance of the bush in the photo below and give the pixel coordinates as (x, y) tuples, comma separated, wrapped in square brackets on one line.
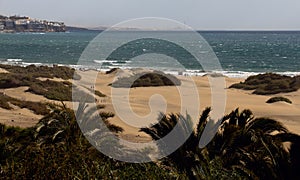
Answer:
[(278, 99), (43, 71), (31, 153), (269, 83), (60, 91), (147, 80), (27, 76), (37, 107)]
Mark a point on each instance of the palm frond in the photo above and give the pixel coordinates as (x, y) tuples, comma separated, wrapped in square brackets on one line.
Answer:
[(266, 125)]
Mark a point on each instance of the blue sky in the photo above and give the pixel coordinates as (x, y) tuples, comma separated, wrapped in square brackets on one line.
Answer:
[(199, 14)]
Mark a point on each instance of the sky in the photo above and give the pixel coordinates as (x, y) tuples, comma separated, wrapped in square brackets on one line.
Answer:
[(198, 14)]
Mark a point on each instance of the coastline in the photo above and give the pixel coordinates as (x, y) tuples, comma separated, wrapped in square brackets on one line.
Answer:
[(188, 72)]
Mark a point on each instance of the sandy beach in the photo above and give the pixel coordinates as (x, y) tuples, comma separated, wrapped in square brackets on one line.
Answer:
[(288, 114), (139, 99)]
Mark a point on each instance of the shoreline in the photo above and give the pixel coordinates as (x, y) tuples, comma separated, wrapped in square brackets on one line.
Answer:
[(188, 72)]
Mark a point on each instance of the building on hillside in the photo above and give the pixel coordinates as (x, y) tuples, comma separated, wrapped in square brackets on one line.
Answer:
[(21, 25), (36, 26), (26, 24), (2, 25), (9, 24)]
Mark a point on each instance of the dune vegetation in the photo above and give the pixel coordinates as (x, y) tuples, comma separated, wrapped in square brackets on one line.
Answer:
[(33, 71), (54, 90), (56, 149), (269, 83), (149, 79), (279, 99), (37, 107), (245, 147)]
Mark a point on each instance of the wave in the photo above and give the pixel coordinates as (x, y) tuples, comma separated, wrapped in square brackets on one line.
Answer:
[(117, 64), (14, 60), (112, 61)]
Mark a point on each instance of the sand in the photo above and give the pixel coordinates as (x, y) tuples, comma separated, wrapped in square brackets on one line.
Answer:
[(3, 70), (143, 115), (288, 114), (19, 117), (21, 94)]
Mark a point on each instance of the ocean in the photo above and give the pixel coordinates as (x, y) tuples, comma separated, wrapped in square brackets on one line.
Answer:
[(240, 53)]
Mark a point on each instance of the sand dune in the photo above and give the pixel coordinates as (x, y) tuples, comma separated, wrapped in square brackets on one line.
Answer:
[(19, 117), (165, 99), (288, 114)]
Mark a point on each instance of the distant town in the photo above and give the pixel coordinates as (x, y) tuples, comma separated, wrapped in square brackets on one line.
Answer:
[(12, 24)]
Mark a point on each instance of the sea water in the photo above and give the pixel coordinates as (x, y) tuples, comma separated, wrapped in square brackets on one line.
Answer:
[(240, 53)]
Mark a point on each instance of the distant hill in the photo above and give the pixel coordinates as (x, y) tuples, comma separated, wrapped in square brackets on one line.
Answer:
[(80, 29)]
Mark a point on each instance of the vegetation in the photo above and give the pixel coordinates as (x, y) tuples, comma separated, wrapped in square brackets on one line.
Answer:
[(53, 90), (33, 71), (269, 83), (245, 147), (278, 99), (36, 107), (111, 71), (56, 149), (147, 80), (50, 89), (61, 91), (98, 93)]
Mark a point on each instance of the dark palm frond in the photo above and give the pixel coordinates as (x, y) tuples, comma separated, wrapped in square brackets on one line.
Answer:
[(244, 147), (266, 125), (233, 117), (204, 116), (238, 118), (202, 122), (163, 127), (244, 117)]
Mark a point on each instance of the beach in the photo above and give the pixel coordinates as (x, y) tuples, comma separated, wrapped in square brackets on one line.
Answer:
[(149, 90), (288, 114), (32, 114)]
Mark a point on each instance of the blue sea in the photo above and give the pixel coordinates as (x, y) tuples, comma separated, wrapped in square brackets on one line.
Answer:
[(240, 53)]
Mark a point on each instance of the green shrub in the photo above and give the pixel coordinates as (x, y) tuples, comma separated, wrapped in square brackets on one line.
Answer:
[(43, 71), (37, 107), (60, 91), (147, 80), (278, 99), (269, 83), (27, 154), (27, 76)]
